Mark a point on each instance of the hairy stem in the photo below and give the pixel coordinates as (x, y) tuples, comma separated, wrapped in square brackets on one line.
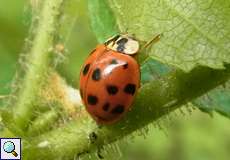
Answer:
[(39, 62), (164, 95)]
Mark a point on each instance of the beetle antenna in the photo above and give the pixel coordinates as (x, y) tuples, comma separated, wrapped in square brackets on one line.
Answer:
[(152, 41)]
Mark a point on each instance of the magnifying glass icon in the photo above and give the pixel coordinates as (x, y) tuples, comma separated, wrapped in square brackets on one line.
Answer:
[(9, 147)]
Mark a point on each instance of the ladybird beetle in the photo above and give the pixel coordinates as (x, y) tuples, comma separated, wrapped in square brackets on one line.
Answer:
[(110, 78)]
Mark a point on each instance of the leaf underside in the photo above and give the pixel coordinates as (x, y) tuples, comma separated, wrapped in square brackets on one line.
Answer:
[(217, 99)]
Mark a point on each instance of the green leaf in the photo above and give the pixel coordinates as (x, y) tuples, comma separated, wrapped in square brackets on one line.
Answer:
[(102, 19), (152, 69), (194, 32), (216, 100)]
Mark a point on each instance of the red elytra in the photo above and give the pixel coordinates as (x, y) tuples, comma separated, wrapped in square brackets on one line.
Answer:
[(109, 79)]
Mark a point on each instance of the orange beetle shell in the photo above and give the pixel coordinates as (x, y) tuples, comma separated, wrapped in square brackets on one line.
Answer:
[(109, 81)]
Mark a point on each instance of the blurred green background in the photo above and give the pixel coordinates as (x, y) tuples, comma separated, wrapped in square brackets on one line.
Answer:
[(190, 136)]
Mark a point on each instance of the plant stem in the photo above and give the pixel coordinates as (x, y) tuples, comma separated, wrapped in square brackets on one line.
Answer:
[(39, 62), (43, 123), (167, 94)]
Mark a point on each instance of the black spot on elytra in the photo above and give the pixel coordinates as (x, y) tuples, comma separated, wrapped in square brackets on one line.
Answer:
[(125, 66), (130, 89), (92, 100), (96, 74), (111, 89), (114, 61), (86, 69), (118, 109), (106, 107)]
